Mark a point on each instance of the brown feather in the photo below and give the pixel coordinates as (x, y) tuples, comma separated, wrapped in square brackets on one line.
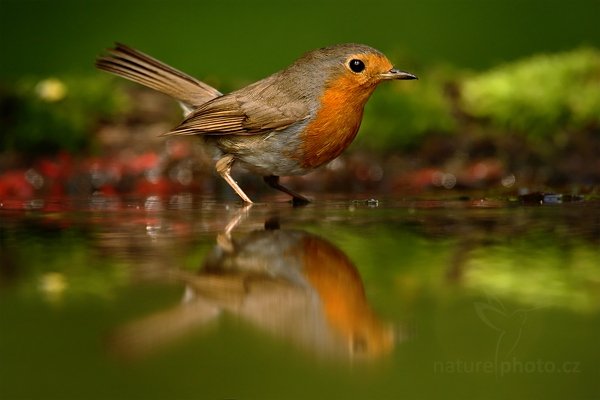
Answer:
[(259, 108), (141, 68)]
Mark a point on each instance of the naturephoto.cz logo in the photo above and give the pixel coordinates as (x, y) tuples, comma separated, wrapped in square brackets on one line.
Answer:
[(509, 327), (506, 367)]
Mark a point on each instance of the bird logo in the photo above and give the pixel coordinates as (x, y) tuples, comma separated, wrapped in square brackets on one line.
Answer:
[(509, 325)]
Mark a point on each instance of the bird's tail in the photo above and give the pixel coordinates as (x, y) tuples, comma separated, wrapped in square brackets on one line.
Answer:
[(148, 71)]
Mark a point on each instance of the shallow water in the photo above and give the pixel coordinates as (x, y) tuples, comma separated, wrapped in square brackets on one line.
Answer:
[(186, 297)]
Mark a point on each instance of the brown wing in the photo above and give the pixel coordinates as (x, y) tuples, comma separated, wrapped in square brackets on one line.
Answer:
[(258, 108)]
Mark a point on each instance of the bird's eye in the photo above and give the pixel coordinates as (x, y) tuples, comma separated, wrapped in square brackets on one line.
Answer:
[(356, 65)]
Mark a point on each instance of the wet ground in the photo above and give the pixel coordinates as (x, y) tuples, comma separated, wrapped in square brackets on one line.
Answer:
[(184, 297)]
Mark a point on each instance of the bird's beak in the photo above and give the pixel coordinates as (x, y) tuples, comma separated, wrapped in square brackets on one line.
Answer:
[(397, 74)]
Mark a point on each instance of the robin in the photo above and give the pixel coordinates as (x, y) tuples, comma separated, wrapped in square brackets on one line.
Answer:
[(286, 124), (292, 284)]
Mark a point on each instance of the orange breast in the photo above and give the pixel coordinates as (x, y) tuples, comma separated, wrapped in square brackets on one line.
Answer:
[(341, 291), (337, 282), (336, 123)]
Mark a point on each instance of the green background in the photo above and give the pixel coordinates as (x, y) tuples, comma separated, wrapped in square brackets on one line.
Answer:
[(250, 39)]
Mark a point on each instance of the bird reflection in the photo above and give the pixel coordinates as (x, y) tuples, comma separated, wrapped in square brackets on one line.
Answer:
[(292, 284)]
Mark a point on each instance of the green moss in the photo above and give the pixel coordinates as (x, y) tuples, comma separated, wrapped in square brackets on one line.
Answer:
[(538, 96)]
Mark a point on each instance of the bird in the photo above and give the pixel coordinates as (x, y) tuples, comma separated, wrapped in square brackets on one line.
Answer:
[(286, 124), (290, 284)]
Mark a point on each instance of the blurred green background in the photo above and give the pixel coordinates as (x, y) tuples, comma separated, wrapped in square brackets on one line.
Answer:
[(515, 82), (251, 39)]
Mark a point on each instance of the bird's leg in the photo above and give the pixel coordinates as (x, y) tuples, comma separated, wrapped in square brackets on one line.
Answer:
[(297, 199), (223, 167), (224, 239)]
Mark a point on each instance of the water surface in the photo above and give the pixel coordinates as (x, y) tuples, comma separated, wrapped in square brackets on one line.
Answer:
[(189, 298)]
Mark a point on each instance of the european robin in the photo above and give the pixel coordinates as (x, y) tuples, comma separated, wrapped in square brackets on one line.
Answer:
[(289, 283), (286, 124)]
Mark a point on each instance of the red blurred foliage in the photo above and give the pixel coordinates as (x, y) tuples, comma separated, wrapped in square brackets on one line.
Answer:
[(158, 186), (141, 163), (14, 184)]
